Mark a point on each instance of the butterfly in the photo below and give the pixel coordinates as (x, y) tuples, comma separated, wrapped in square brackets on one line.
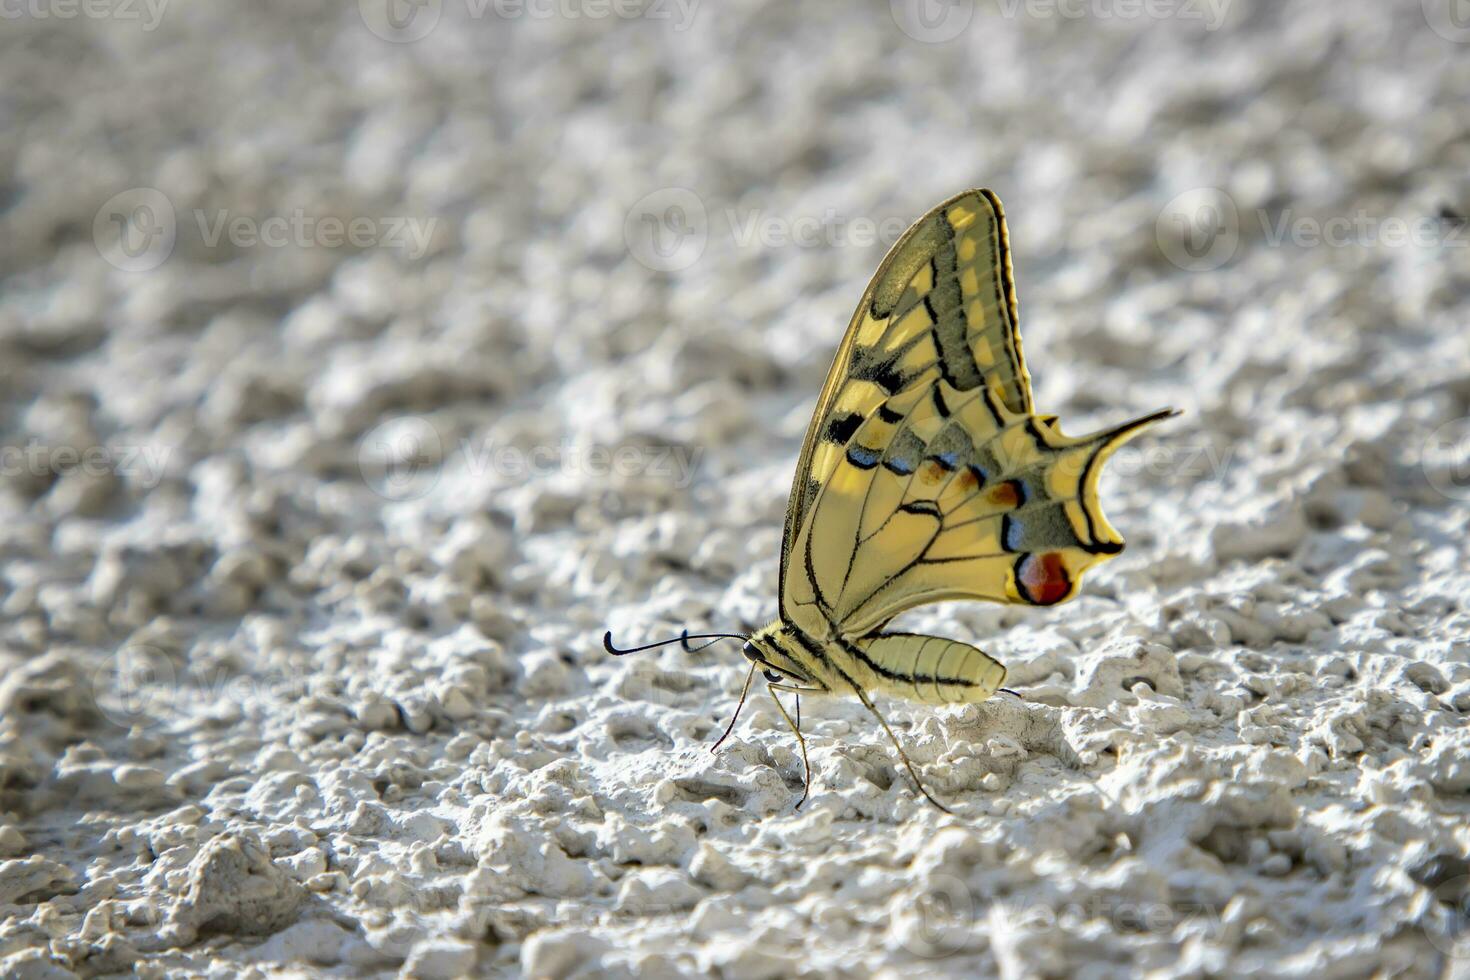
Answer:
[(926, 476)]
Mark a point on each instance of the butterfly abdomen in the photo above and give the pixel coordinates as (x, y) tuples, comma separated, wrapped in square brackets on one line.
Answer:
[(929, 669)]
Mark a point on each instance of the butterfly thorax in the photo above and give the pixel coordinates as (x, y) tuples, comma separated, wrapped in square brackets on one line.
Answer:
[(791, 652), (828, 663)]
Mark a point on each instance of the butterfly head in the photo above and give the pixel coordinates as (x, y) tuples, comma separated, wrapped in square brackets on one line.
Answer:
[(754, 655), (779, 656)]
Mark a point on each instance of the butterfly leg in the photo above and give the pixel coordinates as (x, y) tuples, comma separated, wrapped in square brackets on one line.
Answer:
[(867, 703), (796, 730), (731, 727)]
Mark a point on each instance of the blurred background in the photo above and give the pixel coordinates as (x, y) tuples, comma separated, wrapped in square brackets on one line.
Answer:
[(363, 362)]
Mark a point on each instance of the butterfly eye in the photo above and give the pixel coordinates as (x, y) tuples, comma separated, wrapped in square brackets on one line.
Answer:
[(749, 651), (772, 676)]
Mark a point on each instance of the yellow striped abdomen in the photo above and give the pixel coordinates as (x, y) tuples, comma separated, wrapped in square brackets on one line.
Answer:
[(930, 669)]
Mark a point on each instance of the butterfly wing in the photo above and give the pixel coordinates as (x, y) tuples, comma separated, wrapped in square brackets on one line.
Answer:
[(941, 303), (925, 475), (1020, 521)]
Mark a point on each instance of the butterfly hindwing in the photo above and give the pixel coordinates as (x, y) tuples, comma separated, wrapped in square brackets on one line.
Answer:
[(1024, 531), (925, 476)]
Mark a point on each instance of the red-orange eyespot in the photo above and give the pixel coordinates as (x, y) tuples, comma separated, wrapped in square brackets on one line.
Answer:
[(1042, 579)]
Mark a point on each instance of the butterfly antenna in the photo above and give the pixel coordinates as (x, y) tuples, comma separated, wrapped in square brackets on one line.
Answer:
[(682, 639), (685, 637), (731, 727)]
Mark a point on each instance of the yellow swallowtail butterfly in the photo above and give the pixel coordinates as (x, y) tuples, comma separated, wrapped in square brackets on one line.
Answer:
[(927, 476)]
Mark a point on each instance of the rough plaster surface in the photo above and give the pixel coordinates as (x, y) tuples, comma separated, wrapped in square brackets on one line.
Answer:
[(275, 699)]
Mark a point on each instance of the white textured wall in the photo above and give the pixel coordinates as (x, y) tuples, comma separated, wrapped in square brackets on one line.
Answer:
[(265, 700)]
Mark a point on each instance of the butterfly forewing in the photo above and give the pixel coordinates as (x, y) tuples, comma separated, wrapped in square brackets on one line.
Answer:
[(942, 305)]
